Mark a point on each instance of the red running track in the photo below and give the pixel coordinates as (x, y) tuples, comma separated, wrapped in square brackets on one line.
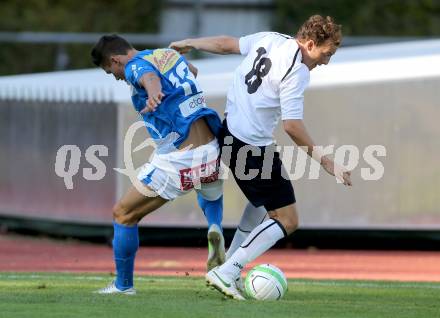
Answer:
[(24, 254)]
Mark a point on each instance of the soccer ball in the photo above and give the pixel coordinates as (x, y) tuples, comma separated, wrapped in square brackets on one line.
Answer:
[(265, 282)]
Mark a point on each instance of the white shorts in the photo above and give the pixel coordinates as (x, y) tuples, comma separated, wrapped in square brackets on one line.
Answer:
[(174, 174)]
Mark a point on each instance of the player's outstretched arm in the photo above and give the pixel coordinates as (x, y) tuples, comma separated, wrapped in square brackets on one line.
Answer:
[(297, 131), (216, 44)]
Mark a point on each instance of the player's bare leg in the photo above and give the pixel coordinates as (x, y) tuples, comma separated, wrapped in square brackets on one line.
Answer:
[(134, 205), (126, 214)]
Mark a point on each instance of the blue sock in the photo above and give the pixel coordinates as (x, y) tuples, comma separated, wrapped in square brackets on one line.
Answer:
[(213, 210), (125, 245)]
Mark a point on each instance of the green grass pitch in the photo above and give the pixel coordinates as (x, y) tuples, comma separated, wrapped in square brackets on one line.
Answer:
[(70, 295)]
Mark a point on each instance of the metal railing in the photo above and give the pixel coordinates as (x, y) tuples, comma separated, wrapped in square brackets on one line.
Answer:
[(61, 39)]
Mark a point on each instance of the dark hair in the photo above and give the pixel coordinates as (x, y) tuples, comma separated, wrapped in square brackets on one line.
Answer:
[(320, 30), (109, 45)]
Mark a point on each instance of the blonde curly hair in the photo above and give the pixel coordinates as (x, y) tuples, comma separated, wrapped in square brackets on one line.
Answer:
[(320, 30)]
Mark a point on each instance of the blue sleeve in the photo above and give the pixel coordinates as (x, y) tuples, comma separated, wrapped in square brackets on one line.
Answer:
[(136, 69)]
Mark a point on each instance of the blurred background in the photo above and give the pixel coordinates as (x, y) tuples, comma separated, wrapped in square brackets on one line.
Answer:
[(381, 88), (47, 35)]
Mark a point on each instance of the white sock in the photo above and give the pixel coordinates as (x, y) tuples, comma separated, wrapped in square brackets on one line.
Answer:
[(251, 217), (262, 238)]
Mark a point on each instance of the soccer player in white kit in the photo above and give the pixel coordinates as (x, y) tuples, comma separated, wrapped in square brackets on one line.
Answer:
[(268, 85)]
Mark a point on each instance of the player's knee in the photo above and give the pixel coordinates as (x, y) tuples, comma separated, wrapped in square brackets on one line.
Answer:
[(291, 224), (126, 219), (117, 210), (122, 215)]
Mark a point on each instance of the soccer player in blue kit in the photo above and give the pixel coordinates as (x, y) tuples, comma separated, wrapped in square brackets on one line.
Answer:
[(167, 96)]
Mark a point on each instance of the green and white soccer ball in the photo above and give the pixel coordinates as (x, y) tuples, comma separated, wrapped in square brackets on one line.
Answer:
[(265, 282)]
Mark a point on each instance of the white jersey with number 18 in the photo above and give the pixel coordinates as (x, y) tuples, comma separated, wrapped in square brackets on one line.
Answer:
[(268, 85)]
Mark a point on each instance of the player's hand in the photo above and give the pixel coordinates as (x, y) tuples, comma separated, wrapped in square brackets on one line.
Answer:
[(182, 46), (153, 102), (342, 175)]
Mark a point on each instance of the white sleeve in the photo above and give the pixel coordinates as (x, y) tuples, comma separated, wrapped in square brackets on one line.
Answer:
[(292, 93), (246, 42)]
